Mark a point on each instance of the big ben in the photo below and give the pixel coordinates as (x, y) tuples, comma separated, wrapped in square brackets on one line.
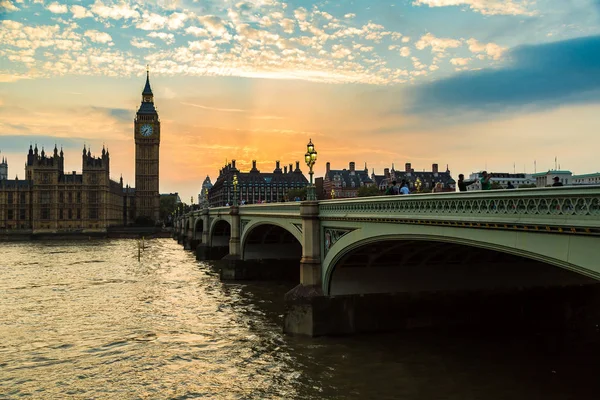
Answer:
[(147, 144)]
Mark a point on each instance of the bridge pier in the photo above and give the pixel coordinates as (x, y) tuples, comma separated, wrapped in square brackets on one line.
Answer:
[(302, 302)]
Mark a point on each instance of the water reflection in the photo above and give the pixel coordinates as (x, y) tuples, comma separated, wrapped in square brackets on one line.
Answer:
[(87, 320)]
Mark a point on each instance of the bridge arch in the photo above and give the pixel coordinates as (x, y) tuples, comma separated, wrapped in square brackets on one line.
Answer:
[(270, 240), (565, 251), (220, 233), (198, 228)]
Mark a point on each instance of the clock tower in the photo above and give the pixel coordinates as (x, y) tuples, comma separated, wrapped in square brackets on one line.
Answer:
[(146, 132)]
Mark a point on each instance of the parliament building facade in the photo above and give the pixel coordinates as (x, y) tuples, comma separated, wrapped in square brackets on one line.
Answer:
[(50, 200)]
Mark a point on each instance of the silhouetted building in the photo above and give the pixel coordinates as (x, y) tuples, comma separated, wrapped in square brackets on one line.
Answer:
[(50, 200), (441, 181), (203, 195), (344, 183), (255, 186)]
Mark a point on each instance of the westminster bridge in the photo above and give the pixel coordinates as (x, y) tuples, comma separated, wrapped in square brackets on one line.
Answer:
[(359, 255)]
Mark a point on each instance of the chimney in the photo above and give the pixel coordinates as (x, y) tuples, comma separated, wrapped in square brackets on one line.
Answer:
[(386, 172), (233, 164), (434, 169), (352, 166), (407, 167), (291, 169), (277, 165), (285, 169), (297, 165), (327, 167), (253, 164)]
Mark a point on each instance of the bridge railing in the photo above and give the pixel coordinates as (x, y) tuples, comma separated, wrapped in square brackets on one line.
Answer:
[(289, 209), (577, 206)]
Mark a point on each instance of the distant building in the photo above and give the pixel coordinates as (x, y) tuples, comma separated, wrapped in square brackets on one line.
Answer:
[(203, 195), (441, 181), (344, 183), (255, 186), (50, 200), (502, 179), (543, 179), (586, 179)]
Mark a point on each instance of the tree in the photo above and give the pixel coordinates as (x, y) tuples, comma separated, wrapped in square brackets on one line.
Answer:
[(368, 191), (294, 193), (167, 206)]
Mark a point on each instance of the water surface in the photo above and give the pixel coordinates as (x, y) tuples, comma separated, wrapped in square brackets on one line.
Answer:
[(86, 320)]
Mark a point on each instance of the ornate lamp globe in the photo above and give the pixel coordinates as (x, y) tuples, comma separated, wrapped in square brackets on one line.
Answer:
[(310, 147)]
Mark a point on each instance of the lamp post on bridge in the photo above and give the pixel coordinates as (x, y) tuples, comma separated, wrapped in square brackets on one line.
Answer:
[(235, 185), (310, 158)]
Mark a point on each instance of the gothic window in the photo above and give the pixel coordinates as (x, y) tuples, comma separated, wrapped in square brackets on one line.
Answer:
[(10, 197), (22, 198), (79, 198), (10, 214), (61, 197), (45, 213), (78, 213), (45, 197), (60, 214), (22, 213), (70, 213), (70, 197)]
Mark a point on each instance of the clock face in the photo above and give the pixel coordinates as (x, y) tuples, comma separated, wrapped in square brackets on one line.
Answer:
[(146, 130)]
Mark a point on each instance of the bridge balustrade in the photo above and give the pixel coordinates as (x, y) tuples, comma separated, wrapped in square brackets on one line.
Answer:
[(567, 206)]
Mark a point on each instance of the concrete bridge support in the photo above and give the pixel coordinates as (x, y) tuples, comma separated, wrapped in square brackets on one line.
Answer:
[(302, 311)]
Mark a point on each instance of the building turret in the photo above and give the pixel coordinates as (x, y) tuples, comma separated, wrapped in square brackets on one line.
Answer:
[(3, 169)]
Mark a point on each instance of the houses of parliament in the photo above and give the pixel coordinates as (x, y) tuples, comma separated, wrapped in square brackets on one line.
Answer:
[(50, 200)]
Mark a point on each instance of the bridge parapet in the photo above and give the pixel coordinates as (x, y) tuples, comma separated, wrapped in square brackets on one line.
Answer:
[(291, 209), (551, 208)]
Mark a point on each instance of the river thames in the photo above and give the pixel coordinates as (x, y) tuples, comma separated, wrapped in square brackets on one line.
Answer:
[(86, 320)]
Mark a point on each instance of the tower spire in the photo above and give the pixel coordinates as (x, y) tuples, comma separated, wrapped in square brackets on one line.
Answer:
[(147, 89)]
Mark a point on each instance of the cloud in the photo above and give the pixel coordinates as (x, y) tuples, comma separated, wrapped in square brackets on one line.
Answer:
[(405, 51), (151, 22), (56, 8), (236, 110), (539, 76), (98, 37), (461, 62), (7, 5), (5, 78), (438, 45), (141, 44), (486, 7), (168, 38), (119, 114), (115, 11), (350, 15), (491, 49), (81, 12), (214, 25)]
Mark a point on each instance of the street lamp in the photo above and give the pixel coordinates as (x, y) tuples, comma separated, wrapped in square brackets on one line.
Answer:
[(235, 185), (310, 158), (333, 193)]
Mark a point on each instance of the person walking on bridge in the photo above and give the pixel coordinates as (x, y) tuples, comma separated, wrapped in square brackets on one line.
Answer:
[(485, 181), (462, 184)]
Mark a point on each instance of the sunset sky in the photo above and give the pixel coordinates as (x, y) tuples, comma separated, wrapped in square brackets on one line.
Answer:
[(473, 84)]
